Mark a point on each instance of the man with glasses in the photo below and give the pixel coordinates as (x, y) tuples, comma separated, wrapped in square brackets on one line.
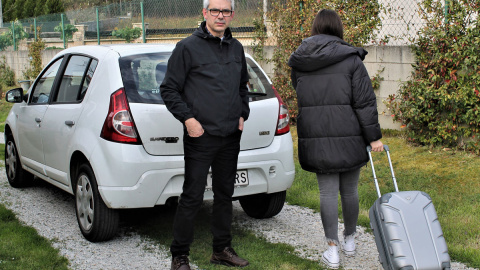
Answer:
[(205, 88)]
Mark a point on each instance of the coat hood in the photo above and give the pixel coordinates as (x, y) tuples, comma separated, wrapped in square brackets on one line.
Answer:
[(321, 51)]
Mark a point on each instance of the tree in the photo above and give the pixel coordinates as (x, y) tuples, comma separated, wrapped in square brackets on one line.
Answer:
[(75, 4), (127, 33), (440, 105), (69, 30), (54, 6), (18, 12), (8, 7), (35, 53), (7, 76), (29, 8), (39, 9), (6, 39)]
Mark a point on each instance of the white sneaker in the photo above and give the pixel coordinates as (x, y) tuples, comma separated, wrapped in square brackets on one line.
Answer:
[(331, 257), (348, 246)]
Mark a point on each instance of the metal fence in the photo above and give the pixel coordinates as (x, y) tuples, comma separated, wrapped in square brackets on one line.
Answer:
[(401, 21), (167, 18)]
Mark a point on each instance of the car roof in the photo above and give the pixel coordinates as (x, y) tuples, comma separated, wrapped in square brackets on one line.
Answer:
[(130, 49), (121, 49)]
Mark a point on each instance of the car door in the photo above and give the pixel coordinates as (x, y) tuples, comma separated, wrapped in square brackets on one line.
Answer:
[(30, 117), (58, 124)]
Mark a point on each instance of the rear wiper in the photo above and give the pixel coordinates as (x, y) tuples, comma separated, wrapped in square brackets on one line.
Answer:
[(256, 94)]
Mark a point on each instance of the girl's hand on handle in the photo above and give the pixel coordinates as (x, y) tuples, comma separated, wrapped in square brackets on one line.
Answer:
[(377, 146)]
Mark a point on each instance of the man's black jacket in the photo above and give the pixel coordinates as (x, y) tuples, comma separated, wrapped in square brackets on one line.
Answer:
[(206, 79)]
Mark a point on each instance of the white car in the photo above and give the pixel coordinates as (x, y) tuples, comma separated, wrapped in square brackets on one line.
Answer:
[(94, 124)]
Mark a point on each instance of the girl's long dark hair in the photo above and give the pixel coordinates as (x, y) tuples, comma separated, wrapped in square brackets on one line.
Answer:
[(327, 22)]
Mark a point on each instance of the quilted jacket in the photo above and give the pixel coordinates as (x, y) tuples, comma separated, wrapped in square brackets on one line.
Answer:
[(337, 105)]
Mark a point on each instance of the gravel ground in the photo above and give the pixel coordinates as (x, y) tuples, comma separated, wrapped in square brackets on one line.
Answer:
[(51, 212)]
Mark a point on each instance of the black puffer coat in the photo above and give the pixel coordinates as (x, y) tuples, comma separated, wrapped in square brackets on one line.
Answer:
[(337, 106)]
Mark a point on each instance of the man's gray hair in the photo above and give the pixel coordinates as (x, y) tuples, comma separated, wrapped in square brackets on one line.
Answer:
[(207, 2)]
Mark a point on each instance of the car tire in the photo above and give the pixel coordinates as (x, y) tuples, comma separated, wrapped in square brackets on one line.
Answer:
[(97, 222), (16, 175), (263, 205)]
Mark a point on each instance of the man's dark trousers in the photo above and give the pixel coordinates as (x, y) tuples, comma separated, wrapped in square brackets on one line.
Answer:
[(201, 153)]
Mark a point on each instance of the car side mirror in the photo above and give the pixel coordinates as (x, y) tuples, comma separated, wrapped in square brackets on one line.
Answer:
[(15, 95)]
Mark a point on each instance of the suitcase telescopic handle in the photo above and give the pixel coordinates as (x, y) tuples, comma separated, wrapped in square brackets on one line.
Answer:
[(387, 150)]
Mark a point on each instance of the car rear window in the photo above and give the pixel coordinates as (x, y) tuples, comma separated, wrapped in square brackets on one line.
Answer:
[(258, 82), (142, 75)]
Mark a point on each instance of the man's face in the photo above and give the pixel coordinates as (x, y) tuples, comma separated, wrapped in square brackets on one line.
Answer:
[(217, 24)]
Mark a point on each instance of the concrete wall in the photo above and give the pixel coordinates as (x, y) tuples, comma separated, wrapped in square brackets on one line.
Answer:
[(395, 60), (19, 60)]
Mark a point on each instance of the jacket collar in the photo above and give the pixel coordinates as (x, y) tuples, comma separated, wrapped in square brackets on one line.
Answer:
[(203, 33)]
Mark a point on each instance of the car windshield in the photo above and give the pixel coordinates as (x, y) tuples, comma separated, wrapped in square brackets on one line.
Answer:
[(142, 75)]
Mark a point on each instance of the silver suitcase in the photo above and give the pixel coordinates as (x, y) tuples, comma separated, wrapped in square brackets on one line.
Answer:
[(406, 228)]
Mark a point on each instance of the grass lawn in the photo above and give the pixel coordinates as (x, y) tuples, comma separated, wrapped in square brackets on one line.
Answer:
[(4, 109), (22, 248)]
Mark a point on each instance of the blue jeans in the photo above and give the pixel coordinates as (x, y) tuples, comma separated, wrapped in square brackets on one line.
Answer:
[(202, 153), (347, 184)]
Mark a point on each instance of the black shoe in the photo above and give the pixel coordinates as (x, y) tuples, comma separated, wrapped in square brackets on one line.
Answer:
[(180, 263), (228, 257)]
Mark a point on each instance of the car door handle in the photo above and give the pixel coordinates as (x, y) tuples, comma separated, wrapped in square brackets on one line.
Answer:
[(69, 123), (38, 119)]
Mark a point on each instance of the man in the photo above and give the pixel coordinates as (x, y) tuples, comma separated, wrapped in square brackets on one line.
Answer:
[(205, 88)]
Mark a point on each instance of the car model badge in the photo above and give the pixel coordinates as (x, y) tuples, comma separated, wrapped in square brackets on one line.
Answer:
[(165, 139)]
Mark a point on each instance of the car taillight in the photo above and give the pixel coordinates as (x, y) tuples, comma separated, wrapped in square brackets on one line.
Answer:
[(283, 116), (119, 125)]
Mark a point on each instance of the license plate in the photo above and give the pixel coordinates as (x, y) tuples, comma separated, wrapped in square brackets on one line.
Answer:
[(241, 180)]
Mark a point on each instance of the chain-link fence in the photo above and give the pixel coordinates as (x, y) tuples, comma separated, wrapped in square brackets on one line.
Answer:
[(401, 21), (167, 18), (160, 18)]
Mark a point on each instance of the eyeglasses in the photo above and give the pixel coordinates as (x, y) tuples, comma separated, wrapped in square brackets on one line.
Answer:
[(215, 12)]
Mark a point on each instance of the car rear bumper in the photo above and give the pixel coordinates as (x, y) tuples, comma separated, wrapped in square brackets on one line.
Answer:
[(270, 170)]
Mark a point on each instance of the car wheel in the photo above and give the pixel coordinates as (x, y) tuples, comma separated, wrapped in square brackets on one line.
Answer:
[(16, 175), (97, 222), (263, 205)]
